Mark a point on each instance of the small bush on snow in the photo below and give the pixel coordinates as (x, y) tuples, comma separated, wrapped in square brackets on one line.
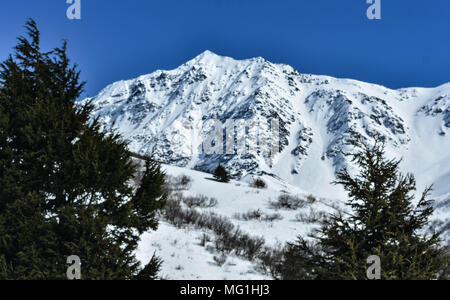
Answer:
[(200, 201), (286, 201), (228, 238), (179, 183), (220, 260), (311, 217), (257, 215), (258, 184), (311, 199)]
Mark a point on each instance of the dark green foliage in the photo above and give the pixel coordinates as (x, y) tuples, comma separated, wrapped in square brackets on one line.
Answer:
[(152, 187), (220, 174), (150, 270), (64, 183), (384, 223)]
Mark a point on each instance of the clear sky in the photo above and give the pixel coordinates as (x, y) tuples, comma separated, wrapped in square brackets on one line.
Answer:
[(118, 39)]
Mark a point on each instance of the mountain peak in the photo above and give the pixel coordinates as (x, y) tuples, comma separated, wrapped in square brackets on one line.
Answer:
[(208, 56), (207, 53), (166, 113)]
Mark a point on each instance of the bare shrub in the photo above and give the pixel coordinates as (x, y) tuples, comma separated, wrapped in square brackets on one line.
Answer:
[(240, 243), (220, 260), (185, 180), (179, 268), (173, 211), (311, 217), (270, 259), (252, 246), (200, 201), (179, 183), (205, 239), (220, 225), (272, 217), (311, 199), (248, 216), (258, 215), (258, 184), (286, 201), (229, 238)]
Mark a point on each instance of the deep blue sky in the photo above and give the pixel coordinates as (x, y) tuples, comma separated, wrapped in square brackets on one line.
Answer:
[(118, 39)]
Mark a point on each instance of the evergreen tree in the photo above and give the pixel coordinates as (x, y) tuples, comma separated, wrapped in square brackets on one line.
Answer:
[(220, 174), (384, 222), (64, 182)]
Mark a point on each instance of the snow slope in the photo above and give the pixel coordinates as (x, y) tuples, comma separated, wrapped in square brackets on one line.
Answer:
[(184, 257)]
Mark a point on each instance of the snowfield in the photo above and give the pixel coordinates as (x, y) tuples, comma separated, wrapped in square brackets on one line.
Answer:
[(184, 256)]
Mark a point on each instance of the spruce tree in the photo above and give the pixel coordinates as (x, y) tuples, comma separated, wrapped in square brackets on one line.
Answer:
[(64, 181), (220, 174), (384, 222)]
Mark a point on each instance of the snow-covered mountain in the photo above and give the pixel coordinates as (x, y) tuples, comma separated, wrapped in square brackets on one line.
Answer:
[(170, 114)]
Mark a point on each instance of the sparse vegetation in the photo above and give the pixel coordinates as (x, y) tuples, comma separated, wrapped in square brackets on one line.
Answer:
[(228, 238), (205, 239), (311, 199), (220, 259), (248, 216), (200, 201), (258, 184), (272, 217), (289, 202), (179, 183), (312, 216), (258, 215)]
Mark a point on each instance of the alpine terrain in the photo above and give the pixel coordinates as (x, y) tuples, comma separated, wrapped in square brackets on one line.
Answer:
[(173, 114)]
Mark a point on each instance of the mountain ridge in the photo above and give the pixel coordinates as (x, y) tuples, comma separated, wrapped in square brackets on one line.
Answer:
[(166, 113)]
